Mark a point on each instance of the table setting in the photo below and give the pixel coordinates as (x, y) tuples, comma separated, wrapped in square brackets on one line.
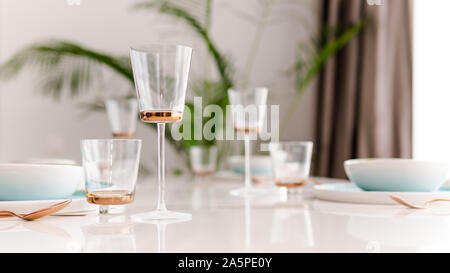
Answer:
[(261, 203)]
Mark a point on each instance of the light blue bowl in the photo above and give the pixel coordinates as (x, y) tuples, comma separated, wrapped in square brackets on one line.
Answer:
[(19, 182), (396, 175), (259, 165)]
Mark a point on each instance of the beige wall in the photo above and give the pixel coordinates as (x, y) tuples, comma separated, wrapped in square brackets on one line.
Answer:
[(34, 126)]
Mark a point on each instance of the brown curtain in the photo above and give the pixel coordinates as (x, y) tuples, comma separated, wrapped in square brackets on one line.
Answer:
[(365, 91)]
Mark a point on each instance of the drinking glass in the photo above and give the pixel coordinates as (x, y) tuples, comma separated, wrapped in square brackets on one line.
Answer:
[(161, 75), (291, 163), (249, 112), (203, 160), (110, 170), (122, 117)]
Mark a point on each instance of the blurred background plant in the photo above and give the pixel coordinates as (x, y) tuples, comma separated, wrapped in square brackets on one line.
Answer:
[(311, 58), (67, 65)]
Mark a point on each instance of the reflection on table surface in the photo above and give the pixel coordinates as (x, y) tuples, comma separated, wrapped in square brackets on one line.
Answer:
[(225, 223)]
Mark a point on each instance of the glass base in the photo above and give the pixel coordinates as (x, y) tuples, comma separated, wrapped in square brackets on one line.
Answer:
[(294, 191), (103, 209), (110, 210), (254, 191), (162, 216)]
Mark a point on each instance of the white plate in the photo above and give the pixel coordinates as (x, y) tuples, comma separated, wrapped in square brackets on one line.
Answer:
[(349, 193), (228, 175), (259, 164), (48, 161), (78, 204)]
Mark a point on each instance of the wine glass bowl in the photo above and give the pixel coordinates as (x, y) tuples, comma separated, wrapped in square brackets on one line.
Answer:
[(249, 109), (161, 75)]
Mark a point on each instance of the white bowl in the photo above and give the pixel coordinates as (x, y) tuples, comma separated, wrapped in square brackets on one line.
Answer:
[(397, 175), (38, 182), (259, 165)]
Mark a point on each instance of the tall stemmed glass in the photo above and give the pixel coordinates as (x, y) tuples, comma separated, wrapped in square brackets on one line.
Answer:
[(161, 75), (249, 111)]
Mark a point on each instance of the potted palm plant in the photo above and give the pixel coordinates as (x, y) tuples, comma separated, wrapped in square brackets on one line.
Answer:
[(67, 65)]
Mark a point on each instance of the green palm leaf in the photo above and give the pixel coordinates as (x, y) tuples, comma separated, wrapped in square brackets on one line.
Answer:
[(307, 70), (64, 63), (170, 8)]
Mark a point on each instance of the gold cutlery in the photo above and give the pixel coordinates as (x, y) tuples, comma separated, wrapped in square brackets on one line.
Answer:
[(36, 214), (401, 201)]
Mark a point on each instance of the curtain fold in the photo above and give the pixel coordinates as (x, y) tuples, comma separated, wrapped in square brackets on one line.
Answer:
[(365, 91)]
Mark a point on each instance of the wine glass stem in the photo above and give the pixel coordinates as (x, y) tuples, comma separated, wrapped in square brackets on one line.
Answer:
[(248, 182), (161, 167), (161, 237)]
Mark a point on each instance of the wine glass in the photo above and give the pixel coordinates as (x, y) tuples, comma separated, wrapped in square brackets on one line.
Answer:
[(161, 75), (249, 111), (110, 170)]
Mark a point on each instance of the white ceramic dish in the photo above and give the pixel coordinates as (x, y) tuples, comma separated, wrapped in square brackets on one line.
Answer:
[(19, 182), (400, 175), (259, 165), (227, 175), (52, 161), (78, 204), (349, 193)]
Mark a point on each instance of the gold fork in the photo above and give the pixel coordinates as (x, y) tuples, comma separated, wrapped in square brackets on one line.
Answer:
[(402, 201), (36, 214)]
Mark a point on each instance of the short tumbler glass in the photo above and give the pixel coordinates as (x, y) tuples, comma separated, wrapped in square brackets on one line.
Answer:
[(203, 160), (122, 115), (110, 170), (291, 163)]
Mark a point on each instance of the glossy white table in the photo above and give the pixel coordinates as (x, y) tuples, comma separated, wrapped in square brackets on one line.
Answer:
[(223, 223)]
